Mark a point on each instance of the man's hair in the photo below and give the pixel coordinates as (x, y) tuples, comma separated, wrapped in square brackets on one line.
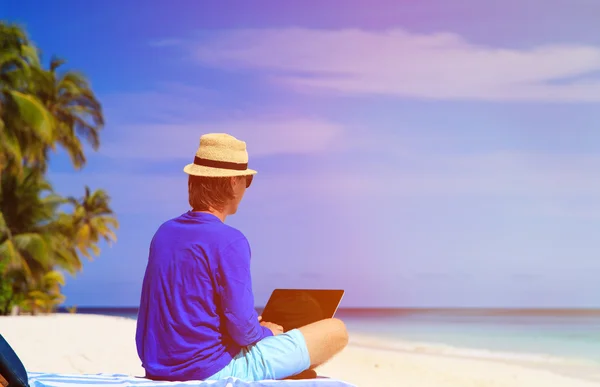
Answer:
[(209, 192)]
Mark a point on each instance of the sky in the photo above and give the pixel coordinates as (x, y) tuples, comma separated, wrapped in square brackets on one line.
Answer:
[(415, 154)]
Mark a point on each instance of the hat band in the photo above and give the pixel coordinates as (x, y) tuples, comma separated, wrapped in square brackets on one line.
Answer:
[(220, 164)]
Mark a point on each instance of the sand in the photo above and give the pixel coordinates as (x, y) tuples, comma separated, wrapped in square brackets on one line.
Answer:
[(77, 343)]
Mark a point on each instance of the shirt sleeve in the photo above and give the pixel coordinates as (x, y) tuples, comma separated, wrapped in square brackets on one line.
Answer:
[(236, 297)]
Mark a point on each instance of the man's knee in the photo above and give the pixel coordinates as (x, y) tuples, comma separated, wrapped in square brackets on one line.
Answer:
[(340, 332), (330, 332)]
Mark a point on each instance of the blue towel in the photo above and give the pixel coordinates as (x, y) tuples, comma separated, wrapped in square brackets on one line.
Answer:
[(38, 379)]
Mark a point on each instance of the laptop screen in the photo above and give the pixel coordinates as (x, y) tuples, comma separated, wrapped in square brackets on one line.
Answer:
[(294, 308)]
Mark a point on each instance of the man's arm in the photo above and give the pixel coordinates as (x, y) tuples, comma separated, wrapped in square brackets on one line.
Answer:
[(237, 300)]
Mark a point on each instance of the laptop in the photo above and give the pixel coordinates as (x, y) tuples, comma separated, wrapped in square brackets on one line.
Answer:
[(294, 308)]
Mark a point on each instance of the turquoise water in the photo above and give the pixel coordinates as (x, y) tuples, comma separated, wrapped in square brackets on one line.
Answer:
[(573, 334), (561, 333)]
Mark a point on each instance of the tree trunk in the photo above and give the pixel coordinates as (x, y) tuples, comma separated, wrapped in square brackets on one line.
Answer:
[(7, 309)]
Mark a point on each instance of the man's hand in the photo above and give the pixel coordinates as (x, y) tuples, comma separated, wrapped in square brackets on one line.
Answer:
[(276, 329)]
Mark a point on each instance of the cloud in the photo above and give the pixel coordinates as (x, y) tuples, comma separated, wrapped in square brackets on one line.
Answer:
[(263, 136), (507, 173), (165, 42), (441, 66), (166, 103), (542, 184), (131, 193), (166, 123)]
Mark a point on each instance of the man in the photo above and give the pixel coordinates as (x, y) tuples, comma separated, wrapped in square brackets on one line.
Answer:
[(197, 319)]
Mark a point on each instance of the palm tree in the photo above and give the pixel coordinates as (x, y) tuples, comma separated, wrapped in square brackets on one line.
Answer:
[(46, 296), (25, 124), (77, 113), (10, 291), (36, 238), (16, 50), (93, 220), (41, 108), (27, 206)]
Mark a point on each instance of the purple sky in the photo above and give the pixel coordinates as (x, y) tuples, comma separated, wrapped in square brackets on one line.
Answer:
[(412, 153)]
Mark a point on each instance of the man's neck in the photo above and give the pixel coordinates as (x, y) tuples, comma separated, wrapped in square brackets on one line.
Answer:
[(219, 214)]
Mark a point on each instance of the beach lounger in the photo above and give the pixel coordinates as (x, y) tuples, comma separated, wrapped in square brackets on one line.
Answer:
[(14, 374), (12, 371), (109, 380)]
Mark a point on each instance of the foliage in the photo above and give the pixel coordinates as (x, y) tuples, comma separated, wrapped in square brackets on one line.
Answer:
[(42, 233)]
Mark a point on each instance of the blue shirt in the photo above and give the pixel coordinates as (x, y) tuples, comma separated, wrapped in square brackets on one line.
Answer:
[(197, 306)]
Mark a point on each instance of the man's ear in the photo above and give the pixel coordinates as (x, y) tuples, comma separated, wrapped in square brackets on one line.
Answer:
[(235, 180)]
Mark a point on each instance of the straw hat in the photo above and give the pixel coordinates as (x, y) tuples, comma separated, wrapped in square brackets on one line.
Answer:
[(220, 155)]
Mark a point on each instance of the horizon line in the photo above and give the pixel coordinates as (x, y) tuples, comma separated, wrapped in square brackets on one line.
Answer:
[(383, 308)]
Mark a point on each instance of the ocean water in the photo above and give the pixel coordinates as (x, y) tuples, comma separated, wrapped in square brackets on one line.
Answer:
[(517, 334), (504, 334)]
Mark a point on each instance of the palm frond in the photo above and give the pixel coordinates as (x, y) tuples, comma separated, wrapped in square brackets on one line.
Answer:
[(9, 253), (33, 247), (10, 148), (53, 279), (15, 261), (34, 114), (4, 230)]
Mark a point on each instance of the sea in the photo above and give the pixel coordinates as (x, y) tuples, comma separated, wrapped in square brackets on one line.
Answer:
[(525, 333)]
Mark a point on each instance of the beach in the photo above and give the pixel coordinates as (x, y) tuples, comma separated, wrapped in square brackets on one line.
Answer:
[(80, 343)]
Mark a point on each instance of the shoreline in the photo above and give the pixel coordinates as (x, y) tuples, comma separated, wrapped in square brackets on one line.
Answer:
[(395, 344), (568, 366), (370, 341), (90, 343)]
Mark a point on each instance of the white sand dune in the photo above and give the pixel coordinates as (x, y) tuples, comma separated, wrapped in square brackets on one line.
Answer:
[(101, 344)]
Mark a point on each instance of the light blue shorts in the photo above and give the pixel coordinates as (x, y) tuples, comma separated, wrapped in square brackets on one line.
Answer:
[(274, 357)]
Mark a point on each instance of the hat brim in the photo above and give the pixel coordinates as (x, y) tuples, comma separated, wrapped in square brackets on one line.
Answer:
[(200, 170)]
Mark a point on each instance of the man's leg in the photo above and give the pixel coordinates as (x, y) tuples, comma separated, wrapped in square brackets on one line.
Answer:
[(274, 357), (289, 354), (324, 339)]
